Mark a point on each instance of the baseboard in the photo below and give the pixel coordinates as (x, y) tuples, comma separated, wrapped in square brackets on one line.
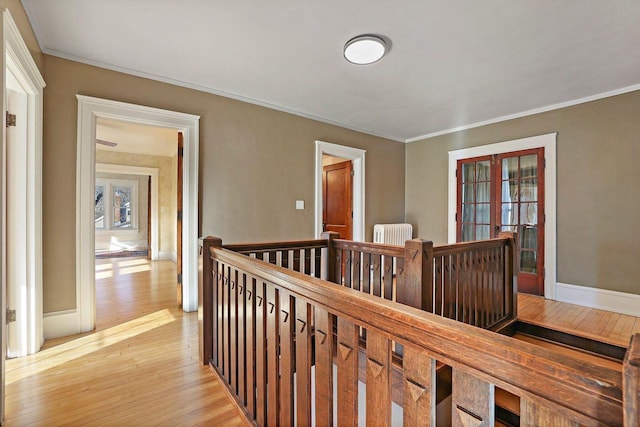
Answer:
[(168, 256), (603, 299), (60, 324)]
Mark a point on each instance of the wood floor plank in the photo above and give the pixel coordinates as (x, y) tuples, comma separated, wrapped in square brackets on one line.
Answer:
[(139, 367)]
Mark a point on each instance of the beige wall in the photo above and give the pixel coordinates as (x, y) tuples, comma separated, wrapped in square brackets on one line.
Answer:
[(167, 199), (22, 22), (598, 194), (254, 164)]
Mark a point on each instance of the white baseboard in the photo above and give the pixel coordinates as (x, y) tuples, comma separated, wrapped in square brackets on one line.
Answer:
[(603, 299), (61, 323), (168, 256)]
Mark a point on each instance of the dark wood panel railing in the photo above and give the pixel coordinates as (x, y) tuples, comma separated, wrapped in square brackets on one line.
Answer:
[(270, 332), (631, 382)]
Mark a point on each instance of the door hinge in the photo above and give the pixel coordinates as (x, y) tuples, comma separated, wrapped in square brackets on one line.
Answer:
[(11, 315), (456, 173), (544, 162), (353, 173), (11, 119), (456, 217), (181, 151), (180, 278), (180, 215)]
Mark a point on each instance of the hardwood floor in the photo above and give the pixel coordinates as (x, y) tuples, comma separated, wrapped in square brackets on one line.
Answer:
[(600, 325), (139, 367)]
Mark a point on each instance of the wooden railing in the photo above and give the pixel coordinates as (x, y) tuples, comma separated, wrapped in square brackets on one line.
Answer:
[(271, 332)]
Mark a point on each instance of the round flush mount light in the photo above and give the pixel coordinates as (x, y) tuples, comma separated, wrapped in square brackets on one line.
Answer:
[(364, 49)]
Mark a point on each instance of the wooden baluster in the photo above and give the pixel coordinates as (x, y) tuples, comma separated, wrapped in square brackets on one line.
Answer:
[(377, 270), (242, 327), (261, 353), (324, 367), (347, 260), (387, 271), (366, 272), (339, 267), (226, 345), (287, 320), (378, 379), (318, 263), (419, 389), (533, 414), (272, 313), (233, 329), (303, 362), (347, 363), (207, 344), (250, 339), (631, 383), (455, 284), (417, 289), (220, 289), (399, 276), (356, 269), (330, 262), (473, 401), (440, 292)]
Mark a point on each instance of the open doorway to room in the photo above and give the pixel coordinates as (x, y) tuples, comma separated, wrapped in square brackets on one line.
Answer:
[(136, 210)]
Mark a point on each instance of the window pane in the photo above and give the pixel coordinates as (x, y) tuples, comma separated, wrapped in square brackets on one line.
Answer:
[(509, 191), (509, 213), (467, 232), (482, 232), (483, 192), (468, 212), (528, 262), (468, 172), (509, 228), (529, 213), (510, 168), (99, 207), (483, 171), (482, 213), (528, 166), (529, 237), (121, 207), (467, 193), (529, 190)]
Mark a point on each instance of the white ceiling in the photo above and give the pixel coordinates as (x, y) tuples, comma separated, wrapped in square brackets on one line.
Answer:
[(453, 64), (136, 138)]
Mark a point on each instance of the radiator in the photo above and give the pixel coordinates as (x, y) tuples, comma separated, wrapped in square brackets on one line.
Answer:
[(392, 234)]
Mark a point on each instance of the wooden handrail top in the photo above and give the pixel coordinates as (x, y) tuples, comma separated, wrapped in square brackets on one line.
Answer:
[(269, 246), (467, 246), (633, 354), (516, 366), (372, 248)]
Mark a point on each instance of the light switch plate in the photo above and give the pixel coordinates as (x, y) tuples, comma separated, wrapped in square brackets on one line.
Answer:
[(299, 204)]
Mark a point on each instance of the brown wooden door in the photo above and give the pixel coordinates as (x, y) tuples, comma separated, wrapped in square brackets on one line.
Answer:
[(337, 204), (179, 219), (505, 192)]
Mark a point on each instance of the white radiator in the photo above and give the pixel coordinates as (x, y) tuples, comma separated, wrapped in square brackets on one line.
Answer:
[(392, 234)]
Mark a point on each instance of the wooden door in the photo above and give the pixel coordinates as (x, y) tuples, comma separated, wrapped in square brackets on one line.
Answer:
[(505, 192), (337, 204), (179, 219)]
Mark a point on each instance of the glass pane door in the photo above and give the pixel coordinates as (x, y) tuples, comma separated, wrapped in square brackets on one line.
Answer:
[(474, 200), (521, 199)]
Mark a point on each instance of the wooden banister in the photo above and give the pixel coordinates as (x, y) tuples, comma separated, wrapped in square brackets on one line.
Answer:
[(561, 387), (417, 290), (631, 382), (206, 299)]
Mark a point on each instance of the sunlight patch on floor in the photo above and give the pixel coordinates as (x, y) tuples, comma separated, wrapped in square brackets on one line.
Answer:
[(21, 368), (133, 262)]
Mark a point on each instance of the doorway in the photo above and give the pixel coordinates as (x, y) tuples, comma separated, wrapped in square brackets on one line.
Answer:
[(356, 158), (89, 109), (337, 190)]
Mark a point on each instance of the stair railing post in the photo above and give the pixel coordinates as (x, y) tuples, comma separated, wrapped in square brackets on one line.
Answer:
[(206, 303), (418, 275), (330, 261), (511, 272)]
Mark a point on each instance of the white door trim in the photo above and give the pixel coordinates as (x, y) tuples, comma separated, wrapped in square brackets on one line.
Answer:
[(356, 155), (548, 141), (153, 173), (18, 61), (89, 109)]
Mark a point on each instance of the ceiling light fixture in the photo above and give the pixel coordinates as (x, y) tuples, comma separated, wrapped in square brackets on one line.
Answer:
[(365, 49)]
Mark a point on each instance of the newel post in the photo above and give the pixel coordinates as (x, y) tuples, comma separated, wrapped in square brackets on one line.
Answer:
[(511, 268), (418, 275), (330, 262), (631, 383), (206, 295)]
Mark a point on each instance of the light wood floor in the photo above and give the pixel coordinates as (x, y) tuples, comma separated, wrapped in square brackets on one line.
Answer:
[(600, 325), (140, 367)]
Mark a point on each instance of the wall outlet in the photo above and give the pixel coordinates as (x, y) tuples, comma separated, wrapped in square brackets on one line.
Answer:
[(299, 204)]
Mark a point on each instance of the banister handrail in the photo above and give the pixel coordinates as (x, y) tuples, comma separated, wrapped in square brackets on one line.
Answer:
[(465, 246), (266, 246), (373, 248), (572, 386)]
